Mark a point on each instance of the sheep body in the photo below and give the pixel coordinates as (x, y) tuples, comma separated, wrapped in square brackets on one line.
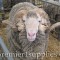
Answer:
[(18, 41)]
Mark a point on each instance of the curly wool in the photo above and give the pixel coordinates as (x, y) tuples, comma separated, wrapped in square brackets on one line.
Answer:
[(18, 40)]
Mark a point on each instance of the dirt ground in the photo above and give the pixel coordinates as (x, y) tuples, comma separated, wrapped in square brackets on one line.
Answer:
[(53, 49)]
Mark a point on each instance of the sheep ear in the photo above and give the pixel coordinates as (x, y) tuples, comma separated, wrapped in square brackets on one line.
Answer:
[(54, 26), (8, 23)]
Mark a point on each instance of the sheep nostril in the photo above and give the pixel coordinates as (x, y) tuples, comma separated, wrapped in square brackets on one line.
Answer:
[(31, 34)]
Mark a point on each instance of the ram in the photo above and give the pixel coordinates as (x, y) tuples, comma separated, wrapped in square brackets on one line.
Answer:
[(28, 31)]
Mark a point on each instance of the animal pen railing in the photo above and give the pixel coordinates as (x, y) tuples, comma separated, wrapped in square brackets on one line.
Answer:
[(5, 50)]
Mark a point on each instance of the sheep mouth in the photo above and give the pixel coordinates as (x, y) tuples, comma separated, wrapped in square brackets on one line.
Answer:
[(35, 37), (23, 35)]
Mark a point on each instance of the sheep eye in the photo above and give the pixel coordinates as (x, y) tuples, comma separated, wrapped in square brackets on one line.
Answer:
[(23, 20), (39, 21)]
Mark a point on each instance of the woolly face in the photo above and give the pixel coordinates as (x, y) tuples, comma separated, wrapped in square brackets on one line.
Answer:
[(32, 22), (31, 28)]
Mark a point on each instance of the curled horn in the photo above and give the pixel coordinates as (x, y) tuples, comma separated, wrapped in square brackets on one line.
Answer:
[(8, 23), (54, 26)]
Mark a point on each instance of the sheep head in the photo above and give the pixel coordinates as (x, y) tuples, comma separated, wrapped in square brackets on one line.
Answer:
[(32, 21)]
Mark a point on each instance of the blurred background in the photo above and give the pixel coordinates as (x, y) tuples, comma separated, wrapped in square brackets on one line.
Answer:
[(52, 8)]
